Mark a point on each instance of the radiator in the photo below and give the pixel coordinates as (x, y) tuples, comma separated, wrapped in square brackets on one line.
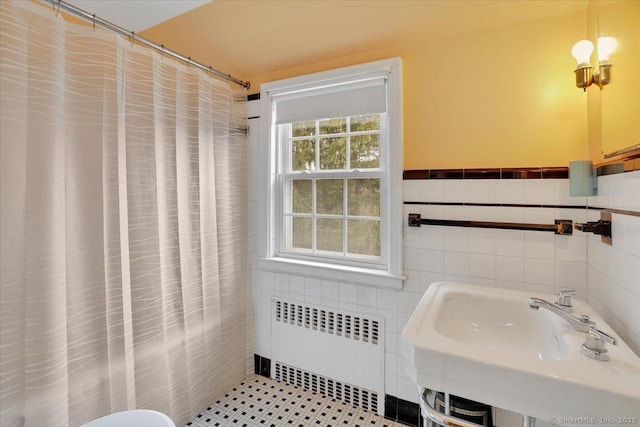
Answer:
[(328, 351)]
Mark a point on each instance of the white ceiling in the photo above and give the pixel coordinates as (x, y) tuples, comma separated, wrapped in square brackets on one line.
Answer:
[(137, 15)]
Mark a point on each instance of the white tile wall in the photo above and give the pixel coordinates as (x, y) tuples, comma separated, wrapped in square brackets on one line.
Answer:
[(511, 259), (614, 271), (523, 260), (536, 261)]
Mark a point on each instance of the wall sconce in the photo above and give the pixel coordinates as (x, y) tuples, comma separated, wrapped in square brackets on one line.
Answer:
[(586, 75)]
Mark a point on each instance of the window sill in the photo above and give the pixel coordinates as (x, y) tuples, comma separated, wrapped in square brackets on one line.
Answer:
[(336, 273)]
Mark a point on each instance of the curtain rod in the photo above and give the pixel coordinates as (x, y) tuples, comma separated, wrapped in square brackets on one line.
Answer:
[(59, 4)]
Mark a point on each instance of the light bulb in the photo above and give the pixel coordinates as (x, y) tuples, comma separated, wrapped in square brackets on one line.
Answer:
[(582, 52), (606, 46)]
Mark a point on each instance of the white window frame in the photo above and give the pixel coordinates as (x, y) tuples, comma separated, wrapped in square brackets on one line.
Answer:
[(387, 274)]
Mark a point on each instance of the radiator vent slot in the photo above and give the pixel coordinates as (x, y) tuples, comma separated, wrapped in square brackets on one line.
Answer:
[(349, 326), (327, 387)]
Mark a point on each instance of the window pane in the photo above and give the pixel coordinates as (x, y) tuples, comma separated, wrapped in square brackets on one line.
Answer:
[(333, 153), (303, 128), (363, 198), (301, 196), (301, 234), (329, 234), (365, 151), (329, 196), (333, 126), (363, 237), (303, 155), (361, 123)]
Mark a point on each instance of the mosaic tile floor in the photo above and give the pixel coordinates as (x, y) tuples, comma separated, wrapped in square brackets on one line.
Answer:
[(261, 401)]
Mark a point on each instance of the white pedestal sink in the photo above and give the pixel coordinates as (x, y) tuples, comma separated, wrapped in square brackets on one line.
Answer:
[(488, 345)]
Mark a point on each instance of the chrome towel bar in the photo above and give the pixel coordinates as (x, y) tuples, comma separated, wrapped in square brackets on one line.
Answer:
[(561, 226)]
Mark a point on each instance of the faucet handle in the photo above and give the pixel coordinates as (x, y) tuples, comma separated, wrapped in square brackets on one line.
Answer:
[(594, 345), (564, 300), (597, 336)]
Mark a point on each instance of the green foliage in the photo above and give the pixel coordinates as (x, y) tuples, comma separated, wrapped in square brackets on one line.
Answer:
[(303, 129), (329, 234), (365, 151), (302, 196), (363, 237), (333, 126), (303, 155), (364, 123), (301, 232), (329, 196), (332, 138), (333, 153), (363, 197)]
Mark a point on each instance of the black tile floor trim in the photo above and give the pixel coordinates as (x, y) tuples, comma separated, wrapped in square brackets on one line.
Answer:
[(256, 364), (265, 367), (261, 366), (390, 407), (260, 401), (409, 413), (402, 411)]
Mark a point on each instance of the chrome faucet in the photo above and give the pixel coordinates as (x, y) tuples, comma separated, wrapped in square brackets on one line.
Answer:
[(594, 345), (562, 308)]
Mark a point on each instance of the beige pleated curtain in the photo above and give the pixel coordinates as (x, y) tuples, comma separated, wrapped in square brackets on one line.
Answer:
[(124, 229)]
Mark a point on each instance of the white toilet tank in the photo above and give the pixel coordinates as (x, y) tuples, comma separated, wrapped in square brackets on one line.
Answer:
[(135, 418)]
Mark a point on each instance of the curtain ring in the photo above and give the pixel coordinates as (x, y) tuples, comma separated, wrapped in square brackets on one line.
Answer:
[(57, 10), (162, 51), (132, 37), (94, 22), (189, 62)]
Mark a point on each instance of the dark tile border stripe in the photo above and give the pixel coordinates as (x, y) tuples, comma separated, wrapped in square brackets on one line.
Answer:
[(482, 173), (497, 205), (523, 173), (625, 160), (402, 411), (630, 162), (615, 168), (555, 173), (490, 173), (517, 205), (446, 174)]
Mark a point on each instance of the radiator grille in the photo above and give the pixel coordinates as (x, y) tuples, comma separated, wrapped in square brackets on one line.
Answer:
[(349, 326), (327, 387)]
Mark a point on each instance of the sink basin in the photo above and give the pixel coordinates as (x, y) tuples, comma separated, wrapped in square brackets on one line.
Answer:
[(487, 345), (490, 323)]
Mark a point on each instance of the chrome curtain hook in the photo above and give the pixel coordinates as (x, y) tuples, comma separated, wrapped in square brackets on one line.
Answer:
[(57, 9), (132, 37), (94, 22)]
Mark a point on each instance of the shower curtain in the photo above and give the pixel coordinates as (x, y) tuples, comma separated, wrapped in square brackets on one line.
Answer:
[(123, 220)]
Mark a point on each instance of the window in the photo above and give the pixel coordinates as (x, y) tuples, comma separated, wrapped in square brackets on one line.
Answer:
[(330, 181), (335, 150)]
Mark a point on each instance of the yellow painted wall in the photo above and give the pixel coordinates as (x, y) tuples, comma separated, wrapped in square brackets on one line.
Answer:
[(492, 98), (594, 119), (620, 100)]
